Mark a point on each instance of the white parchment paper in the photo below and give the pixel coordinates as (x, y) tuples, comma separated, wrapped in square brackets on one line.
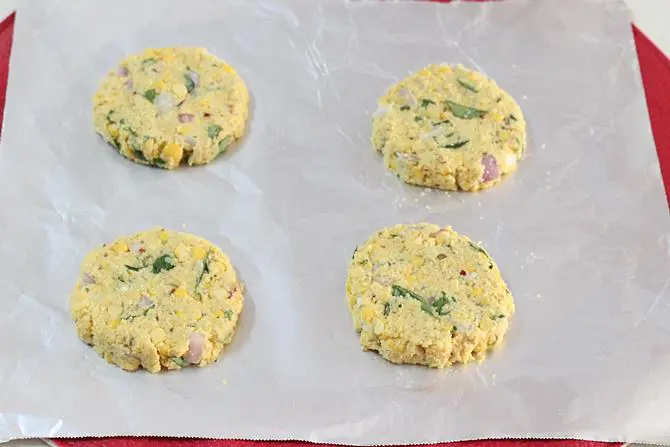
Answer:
[(581, 231)]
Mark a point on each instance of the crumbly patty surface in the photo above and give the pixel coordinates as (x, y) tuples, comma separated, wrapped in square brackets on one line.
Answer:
[(426, 295), (450, 128), (169, 106), (157, 299)]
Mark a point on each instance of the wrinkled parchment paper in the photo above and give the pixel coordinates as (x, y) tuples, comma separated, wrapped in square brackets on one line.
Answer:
[(581, 231)]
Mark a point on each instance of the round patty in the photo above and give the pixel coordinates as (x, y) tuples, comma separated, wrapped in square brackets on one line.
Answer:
[(449, 128), (426, 295), (169, 106), (157, 299)]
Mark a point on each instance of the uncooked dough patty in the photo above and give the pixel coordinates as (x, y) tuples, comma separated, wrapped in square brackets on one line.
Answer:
[(157, 298), (169, 106), (426, 295), (449, 128)]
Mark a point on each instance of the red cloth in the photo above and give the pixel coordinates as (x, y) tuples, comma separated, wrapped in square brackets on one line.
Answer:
[(6, 37), (656, 77), (655, 67), (174, 442)]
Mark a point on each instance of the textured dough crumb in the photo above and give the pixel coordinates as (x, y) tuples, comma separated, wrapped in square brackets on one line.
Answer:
[(426, 295), (450, 128), (169, 106), (157, 299)]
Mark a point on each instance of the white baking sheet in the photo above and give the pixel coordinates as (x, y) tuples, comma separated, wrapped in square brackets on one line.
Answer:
[(581, 231)]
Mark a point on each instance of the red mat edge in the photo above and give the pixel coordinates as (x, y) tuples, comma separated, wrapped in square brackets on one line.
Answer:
[(657, 92), (6, 39)]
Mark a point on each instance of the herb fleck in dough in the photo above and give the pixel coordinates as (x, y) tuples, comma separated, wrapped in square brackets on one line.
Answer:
[(450, 128), (169, 106), (426, 295), (157, 299)]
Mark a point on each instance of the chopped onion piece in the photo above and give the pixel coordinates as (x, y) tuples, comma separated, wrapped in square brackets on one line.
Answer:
[(186, 117), (189, 140), (436, 132), (196, 345), (407, 95), (144, 301), (164, 103), (491, 170), (193, 76), (87, 279)]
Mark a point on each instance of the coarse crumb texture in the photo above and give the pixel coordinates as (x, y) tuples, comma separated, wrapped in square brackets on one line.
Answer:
[(171, 106), (450, 128), (157, 299), (426, 295)]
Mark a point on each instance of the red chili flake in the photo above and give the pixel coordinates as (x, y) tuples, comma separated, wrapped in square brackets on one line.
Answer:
[(141, 250), (463, 273)]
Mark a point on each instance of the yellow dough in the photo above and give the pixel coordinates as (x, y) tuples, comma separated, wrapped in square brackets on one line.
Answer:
[(157, 299), (426, 295), (449, 128), (169, 106)]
